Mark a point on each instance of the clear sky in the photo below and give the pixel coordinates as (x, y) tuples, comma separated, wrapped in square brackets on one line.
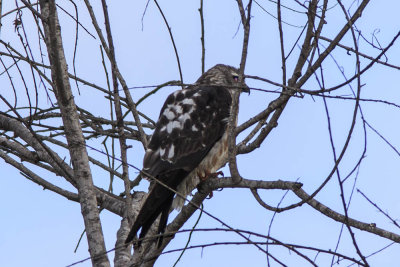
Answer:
[(40, 228)]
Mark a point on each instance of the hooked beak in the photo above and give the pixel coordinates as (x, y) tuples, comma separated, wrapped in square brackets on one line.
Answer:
[(245, 88)]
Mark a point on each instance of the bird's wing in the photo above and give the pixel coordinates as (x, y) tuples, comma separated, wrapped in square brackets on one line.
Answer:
[(190, 123)]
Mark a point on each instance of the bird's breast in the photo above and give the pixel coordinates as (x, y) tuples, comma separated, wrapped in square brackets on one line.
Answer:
[(214, 160)]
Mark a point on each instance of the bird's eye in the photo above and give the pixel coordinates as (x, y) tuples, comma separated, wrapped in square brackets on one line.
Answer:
[(235, 78)]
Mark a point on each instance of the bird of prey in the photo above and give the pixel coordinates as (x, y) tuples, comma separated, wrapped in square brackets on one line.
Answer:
[(190, 142)]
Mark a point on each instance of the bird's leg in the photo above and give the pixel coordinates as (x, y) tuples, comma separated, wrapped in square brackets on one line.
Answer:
[(206, 176), (203, 177), (209, 175), (214, 175)]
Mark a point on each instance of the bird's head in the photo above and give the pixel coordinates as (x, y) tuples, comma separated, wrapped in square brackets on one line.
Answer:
[(223, 75)]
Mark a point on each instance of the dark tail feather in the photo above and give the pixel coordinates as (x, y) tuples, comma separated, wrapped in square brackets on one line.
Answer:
[(149, 212), (164, 220), (159, 201), (144, 220)]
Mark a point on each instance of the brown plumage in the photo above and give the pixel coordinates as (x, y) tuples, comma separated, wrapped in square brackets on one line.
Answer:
[(189, 140)]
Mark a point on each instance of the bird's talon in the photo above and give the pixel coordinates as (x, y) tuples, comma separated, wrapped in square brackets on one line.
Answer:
[(220, 173)]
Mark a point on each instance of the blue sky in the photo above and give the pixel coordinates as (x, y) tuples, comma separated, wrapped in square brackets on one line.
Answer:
[(45, 228)]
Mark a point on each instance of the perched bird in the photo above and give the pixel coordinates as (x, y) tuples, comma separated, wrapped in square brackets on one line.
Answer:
[(190, 142)]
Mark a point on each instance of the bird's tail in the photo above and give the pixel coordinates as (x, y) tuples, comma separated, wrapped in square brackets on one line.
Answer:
[(158, 202)]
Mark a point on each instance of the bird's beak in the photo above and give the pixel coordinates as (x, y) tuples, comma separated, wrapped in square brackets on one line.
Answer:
[(245, 88)]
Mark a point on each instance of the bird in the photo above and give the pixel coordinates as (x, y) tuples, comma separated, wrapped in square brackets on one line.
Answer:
[(189, 143)]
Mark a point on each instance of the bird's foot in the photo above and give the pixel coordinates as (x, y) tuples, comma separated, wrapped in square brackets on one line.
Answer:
[(209, 175), (201, 190), (205, 177)]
